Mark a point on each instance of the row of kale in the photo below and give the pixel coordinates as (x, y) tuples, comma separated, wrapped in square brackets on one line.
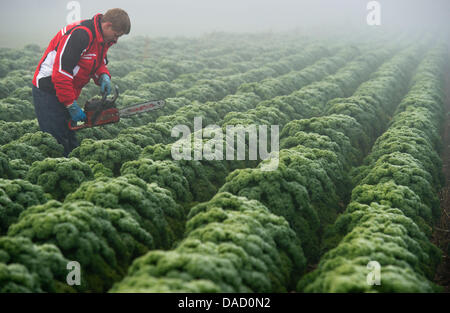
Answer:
[(240, 241), (212, 262), (145, 82), (394, 205), (241, 109), (20, 154), (15, 87), (14, 108), (202, 87), (132, 140), (114, 197), (109, 132), (213, 53)]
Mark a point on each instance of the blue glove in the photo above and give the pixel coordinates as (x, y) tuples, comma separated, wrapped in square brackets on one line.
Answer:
[(105, 84), (76, 113)]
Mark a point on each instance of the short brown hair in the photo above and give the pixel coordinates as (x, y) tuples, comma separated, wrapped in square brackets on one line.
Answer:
[(119, 19)]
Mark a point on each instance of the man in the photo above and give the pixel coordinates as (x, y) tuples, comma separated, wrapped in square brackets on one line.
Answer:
[(75, 55)]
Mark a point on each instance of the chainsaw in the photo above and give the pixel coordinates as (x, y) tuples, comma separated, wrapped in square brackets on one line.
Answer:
[(104, 111)]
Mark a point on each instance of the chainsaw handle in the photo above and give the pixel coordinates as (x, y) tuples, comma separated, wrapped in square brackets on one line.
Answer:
[(104, 97), (73, 126), (116, 91)]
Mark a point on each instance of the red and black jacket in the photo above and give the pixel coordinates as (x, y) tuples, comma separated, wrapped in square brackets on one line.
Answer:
[(75, 55)]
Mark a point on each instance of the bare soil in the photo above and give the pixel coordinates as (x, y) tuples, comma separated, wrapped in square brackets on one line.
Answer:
[(441, 232)]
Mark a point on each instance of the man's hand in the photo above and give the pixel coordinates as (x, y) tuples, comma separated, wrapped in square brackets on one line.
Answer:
[(105, 84), (76, 113)]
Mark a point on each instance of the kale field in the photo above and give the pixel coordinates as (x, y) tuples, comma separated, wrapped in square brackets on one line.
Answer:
[(361, 182)]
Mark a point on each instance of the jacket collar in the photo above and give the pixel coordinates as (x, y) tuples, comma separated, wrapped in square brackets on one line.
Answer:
[(98, 28), (99, 31)]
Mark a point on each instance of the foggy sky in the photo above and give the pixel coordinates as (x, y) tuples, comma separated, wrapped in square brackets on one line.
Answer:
[(31, 21)]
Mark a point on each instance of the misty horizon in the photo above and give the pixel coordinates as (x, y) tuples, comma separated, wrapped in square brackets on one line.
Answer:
[(30, 22)]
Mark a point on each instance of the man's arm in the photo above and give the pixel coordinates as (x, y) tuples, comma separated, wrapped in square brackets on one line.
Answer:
[(67, 57), (102, 70)]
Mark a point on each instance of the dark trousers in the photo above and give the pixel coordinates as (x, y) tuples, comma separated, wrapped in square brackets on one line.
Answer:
[(53, 118)]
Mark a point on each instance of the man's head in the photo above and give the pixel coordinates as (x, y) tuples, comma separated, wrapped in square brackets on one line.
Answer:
[(115, 23)]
